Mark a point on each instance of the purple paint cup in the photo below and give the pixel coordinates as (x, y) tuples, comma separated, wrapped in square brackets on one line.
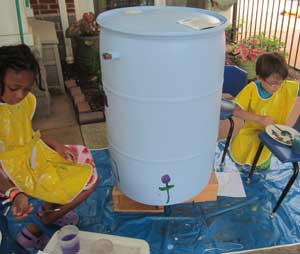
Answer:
[(68, 239)]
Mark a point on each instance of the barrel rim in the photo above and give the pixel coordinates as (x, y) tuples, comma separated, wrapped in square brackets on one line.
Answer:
[(102, 16)]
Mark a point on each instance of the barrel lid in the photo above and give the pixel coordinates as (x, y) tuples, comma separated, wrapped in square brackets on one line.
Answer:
[(161, 21)]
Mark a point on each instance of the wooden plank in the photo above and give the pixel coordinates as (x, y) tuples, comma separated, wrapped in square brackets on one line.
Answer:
[(122, 203)]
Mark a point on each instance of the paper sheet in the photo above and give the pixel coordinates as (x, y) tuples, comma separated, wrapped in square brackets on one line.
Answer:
[(200, 23), (230, 184)]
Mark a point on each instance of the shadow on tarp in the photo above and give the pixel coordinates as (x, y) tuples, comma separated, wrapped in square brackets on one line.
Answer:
[(228, 224)]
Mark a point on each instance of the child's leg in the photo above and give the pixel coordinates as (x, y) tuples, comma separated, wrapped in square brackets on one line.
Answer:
[(33, 237), (50, 218), (83, 156)]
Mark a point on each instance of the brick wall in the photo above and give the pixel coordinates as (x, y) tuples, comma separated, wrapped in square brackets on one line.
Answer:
[(49, 10), (50, 7)]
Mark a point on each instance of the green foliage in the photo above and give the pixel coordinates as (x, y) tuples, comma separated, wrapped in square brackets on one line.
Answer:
[(250, 48), (267, 44)]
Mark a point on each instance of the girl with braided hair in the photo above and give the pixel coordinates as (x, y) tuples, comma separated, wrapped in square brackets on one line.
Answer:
[(32, 165)]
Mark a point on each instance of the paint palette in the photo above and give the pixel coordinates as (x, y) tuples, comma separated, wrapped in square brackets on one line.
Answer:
[(122, 245), (281, 133)]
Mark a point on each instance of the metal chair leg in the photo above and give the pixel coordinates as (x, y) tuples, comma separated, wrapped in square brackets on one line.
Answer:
[(253, 167), (229, 135), (287, 188)]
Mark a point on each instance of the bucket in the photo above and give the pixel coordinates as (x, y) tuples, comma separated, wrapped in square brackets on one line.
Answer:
[(162, 71)]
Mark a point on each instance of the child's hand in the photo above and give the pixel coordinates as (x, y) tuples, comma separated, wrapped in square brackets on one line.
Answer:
[(21, 208), (62, 150), (266, 120), (66, 152)]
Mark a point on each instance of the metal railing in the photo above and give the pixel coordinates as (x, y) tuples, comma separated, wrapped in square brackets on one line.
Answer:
[(111, 4), (103, 5), (278, 19)]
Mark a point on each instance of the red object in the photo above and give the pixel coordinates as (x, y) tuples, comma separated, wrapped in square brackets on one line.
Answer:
[(13, 194), (107, 56)]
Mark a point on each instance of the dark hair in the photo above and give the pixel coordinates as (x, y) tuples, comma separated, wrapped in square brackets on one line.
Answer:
[(271, 63), (18, 58)]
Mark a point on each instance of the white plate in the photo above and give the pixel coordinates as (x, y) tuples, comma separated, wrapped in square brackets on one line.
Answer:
[(121, 245), (0, 237), (276, 134)]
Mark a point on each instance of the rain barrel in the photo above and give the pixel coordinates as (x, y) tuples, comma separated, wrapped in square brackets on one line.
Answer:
[(163, 76)]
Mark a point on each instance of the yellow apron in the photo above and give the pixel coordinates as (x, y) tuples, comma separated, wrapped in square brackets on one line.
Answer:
[(34, 167), (244, 145)]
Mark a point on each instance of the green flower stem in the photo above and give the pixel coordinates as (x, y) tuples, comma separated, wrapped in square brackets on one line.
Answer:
[(168, 199)]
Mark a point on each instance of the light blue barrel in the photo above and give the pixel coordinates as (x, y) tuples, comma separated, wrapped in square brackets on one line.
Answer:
[(163, 82)]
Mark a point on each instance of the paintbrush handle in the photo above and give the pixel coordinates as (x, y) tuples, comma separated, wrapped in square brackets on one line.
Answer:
[(50, 210)]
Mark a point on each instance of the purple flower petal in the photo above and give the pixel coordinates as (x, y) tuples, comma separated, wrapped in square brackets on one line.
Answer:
[(165, 179)]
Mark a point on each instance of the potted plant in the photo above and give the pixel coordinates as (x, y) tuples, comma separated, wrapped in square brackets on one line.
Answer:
[(247, 51), (85, 36)]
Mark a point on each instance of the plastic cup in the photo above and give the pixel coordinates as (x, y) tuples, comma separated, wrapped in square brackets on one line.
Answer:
[(296, 145), (68, 239), (102, 246)]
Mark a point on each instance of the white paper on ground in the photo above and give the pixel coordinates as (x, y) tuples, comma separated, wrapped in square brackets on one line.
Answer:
[(230, 184)]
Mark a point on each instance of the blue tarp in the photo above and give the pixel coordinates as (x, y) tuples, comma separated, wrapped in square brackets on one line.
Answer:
[(228, 224)]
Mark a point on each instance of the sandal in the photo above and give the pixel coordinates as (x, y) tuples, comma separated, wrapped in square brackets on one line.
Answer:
[(28, 240), (70, 218)]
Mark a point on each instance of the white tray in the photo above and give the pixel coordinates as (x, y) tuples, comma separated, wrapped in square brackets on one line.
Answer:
[(121, 245)]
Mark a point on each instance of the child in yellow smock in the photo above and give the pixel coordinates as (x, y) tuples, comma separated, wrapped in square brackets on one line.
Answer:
[(269, 99), (31, 164)]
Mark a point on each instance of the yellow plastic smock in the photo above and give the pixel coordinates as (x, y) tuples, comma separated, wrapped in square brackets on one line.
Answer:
[(245, 144), (33, 166)]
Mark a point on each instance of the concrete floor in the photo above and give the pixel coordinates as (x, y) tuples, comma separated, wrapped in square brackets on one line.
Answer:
[(63, 126)]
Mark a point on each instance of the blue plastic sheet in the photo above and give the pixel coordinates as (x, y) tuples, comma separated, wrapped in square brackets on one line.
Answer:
[(228, 224)]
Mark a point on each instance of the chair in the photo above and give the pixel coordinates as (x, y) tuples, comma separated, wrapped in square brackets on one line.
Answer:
[(234, 81), (284, 154)]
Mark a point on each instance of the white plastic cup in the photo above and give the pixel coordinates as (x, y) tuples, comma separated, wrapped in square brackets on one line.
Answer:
[(68, 239), (102, 246)]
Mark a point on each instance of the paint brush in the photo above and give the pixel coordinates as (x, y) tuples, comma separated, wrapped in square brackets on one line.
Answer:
[(50, 210)]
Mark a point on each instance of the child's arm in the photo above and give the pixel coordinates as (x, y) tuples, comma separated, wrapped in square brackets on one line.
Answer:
[(294, 114), (64, 151), (243, 102), (263, 120), (21, 207)]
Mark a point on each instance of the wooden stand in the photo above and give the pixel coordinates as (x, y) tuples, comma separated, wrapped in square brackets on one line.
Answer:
[(121, 203)]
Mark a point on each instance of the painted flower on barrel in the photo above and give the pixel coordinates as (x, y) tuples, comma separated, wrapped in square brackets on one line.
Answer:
[(166, 179)]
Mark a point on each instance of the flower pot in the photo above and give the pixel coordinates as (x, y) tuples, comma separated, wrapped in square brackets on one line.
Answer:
[(87, 53), (249, 67)]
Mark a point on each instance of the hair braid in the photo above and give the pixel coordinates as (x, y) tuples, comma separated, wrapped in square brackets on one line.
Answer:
[(18, 58)]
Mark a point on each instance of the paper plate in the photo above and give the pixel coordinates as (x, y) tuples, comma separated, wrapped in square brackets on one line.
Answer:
[(275, 131)]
